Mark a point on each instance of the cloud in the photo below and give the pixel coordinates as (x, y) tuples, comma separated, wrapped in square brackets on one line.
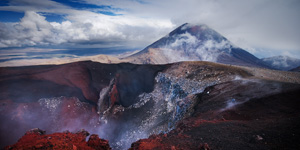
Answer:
[(33, 29), (256, 24), (208, 49), (252, 25), (86, 29)]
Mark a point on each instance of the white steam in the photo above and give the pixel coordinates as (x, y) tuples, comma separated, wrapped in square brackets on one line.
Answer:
[(187, 47)]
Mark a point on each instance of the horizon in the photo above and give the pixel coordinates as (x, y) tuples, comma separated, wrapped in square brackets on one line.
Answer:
[(262, 28)]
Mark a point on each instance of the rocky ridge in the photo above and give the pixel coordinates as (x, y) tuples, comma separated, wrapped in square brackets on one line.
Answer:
[(131, 102), (37, 139), (229, 116)]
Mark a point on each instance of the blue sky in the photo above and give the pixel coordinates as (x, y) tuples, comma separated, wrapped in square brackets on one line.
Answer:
[(263, 27), (15, 16)]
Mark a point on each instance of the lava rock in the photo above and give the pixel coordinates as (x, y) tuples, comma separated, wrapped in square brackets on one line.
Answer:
[(97, 143), (83, 132), (204, 146), (35, 131), (37, 139)]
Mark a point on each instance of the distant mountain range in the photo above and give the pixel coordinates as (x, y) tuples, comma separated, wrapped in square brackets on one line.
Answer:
[(195, 43), (282, 62)]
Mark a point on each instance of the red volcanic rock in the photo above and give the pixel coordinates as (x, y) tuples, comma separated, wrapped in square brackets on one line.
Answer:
[(266, 122), (72, 75), (114, 94), (204, 146), (97, 143), (65, 97), (153, 142), (167, 142), (36, 139), (52, 114)]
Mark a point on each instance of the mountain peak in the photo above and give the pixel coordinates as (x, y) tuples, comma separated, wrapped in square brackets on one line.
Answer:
[(194, 26), (191, 37), (200, 31), (194, 42)]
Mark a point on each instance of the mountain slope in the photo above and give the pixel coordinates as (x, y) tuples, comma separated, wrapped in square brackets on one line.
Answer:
[(297, 69), (282, 62), (193, 43)]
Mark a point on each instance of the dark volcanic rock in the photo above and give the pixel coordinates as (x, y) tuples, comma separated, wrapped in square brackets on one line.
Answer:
[(65, 97), (83, 80), (54, 114), (97, 143), (260, 121), (186, 105), (297, 69), (34, 140)]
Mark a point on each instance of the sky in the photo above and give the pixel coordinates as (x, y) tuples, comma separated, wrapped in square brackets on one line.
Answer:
[(262, 27)]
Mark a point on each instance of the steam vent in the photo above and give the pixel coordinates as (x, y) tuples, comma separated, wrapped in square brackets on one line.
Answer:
[(190, 90)]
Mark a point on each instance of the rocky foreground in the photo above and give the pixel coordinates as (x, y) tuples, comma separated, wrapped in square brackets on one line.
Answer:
[(226, 116), (245, 122), (187, 105), (37, 139)]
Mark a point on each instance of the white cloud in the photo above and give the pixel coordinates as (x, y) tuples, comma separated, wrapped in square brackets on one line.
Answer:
[(207, 50), (265, 24), (32, 30), (210, 50), (87, 28)]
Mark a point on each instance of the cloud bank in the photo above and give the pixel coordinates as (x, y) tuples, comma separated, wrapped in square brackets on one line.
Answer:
[(104, 31), (263, 27)]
